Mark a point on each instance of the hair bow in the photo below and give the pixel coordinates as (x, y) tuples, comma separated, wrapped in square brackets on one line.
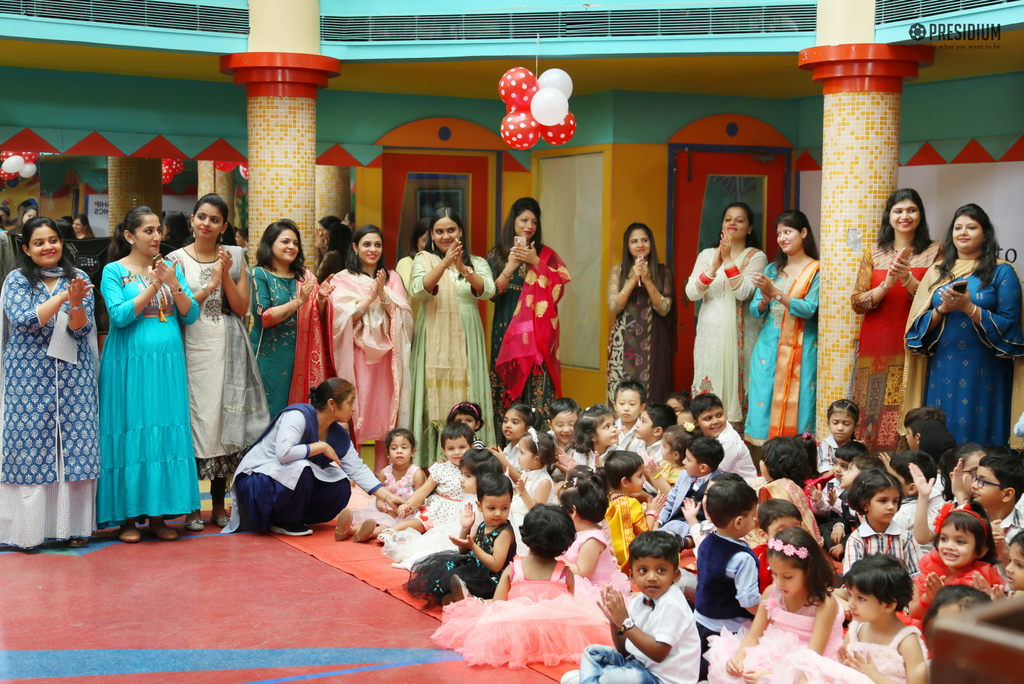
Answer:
[(689, 427), (533, 434), (807, 435), (787, 549), (951, 508)]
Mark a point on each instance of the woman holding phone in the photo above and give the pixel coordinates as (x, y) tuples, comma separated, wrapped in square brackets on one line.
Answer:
[(887, 280), (964, 334), (524, 339)]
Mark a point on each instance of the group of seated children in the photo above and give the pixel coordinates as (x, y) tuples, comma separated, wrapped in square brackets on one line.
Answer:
[(532, 549)]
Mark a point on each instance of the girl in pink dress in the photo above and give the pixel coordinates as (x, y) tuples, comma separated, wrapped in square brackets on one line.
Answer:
[(797, 611), (590, 557), (533, 617), (401, 477)]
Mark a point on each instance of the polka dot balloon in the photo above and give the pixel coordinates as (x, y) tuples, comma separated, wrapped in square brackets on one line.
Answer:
[(520, 130), (517, 87), (561, 132)]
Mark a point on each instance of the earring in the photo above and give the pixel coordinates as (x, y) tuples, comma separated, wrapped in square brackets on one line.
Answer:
[(131, 242)]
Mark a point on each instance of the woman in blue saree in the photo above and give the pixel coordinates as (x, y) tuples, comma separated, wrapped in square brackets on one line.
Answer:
[(964, 334)]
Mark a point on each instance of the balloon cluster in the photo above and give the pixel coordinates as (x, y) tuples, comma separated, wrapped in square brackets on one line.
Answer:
[(536, 108), (169, 168), (225, 167), (18, 164)]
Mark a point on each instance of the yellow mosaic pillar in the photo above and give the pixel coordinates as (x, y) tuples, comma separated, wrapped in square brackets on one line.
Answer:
[(224, 185), (333, 197), (860, 157), (207, 182), (133, 182)]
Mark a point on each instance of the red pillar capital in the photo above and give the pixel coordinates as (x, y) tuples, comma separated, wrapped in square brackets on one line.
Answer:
[(280, 74), (865, 67)]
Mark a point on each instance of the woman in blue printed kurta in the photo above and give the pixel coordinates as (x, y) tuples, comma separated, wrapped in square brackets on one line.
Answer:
[(49, 448), (967, 347), (149, 466)]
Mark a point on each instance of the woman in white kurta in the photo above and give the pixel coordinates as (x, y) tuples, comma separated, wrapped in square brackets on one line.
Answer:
[(726, 330)]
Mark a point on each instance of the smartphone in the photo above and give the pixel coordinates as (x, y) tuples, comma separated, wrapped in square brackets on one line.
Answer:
[(960, 287), (905, 253), (520, 241)]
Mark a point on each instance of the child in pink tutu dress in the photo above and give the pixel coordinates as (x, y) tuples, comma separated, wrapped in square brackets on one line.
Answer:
[(590, 556), (797, 612), (533, 617), (401, 477)]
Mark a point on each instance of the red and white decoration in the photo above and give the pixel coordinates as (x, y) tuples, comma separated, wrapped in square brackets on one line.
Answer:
[(536, 108), (169, 168), (18, 164)]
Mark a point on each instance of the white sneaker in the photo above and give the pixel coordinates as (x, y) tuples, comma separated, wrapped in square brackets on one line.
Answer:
[(571, 677)]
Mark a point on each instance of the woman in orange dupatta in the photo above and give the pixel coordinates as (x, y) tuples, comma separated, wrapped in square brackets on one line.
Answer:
[(530, 279), (784, 365), (288, 308)]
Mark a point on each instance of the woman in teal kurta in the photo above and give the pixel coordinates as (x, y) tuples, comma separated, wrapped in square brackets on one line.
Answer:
[(148, 465), (449, 352), (784, 363)]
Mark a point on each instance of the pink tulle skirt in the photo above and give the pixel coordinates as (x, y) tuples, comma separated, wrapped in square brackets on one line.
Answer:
[(771, 653), (522, 631), (587, 590)]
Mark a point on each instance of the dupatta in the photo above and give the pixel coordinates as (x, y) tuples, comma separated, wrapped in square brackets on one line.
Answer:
[(532, 337), (310, 363), (445, 366), (786, 393)]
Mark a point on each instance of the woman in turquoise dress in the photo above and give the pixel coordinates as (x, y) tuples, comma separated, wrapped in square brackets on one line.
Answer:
[(966, 347), (449, 353), (784, 364), (148, 463), (287, 309)]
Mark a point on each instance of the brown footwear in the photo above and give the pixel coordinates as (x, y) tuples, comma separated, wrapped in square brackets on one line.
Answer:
[(366, 530), (344, 529), (77, 543), (129, 534), (160, 530)]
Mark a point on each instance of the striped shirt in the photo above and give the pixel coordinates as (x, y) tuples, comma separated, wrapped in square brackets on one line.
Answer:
[(894, 541)]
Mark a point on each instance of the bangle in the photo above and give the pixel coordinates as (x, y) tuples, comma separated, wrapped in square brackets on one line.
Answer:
[(732, 272), (76, 308), (704, 278), (975, 311)]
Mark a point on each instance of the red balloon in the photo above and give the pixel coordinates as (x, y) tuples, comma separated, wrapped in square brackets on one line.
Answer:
[(561, 132), (7, 176), (244, 168), (167, 177), (520, 130), (6, 154), (517, 86), (30, 157), (224, 167)]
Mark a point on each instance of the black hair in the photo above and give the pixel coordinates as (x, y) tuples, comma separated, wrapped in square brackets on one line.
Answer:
[(479, 462), (676, 440), (584, 433), (959, 594), (530, 415), (652, 259), (467, 408), (178, 229), (753, 239), (7, 210), (867, 484), (352, 261), (563, 405), (661, 415), (84, 220), (728, 500), (627, 384), (844, 405), (735, 478), (620, 465), (981, 530), (883, 577), (819, 573), (851, 450), (810, 448), (901, 461), (1008, 470), (547, 531), (986, 264), (664, 545), (586, 496), (997, 450), (867, 462), (544, 447), (119, 247), (707, 450), (508, 232), (915, 417), (350, 217), (1016, 541), (494, 484), (265, 253), (775, 509), (64, 229), (682, 397), (340, 239), (453, 431), (886, 232), (215, 201), (705, 402), (785, 458), (948, 461), (421, 228), (337, 389), (935, 439), (32, 272), (327, 221), (399, 432), (449, 213), (796, 220)]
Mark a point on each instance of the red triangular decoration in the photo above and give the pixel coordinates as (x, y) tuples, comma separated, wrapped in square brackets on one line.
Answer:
[(805, 162), (336, 155), (221, 150), (159, 148), (1016, 151), (377, 163), (926, 156), (95, 145), (86, 190), (973, 153), (28, 141), (510, 163)]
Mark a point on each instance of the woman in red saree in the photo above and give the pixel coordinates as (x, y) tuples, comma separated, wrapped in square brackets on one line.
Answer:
[(530, 280)]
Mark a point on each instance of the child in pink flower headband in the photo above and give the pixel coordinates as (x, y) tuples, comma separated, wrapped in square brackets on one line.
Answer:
[(796, 611)]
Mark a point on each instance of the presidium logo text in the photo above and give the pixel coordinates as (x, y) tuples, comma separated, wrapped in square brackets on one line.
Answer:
[(940, 32)]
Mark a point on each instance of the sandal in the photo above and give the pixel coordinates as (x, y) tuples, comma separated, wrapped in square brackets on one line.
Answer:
[(129, 534), (194, 525), (222, 522), (160, 530), (77, 543), (344, 529), (365, 530), (385, 535)]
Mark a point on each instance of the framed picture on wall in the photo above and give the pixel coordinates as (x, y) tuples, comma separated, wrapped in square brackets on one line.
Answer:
[(429, 200)]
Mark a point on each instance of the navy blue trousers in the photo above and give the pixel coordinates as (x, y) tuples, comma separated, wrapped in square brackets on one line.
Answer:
[(268, 502)]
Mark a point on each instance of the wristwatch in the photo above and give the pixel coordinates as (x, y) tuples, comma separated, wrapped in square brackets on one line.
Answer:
[(626, 624), (777, 297)]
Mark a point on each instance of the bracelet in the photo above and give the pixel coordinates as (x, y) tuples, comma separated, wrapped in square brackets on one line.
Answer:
[(975, 311), (704, 278), (76, 308), (732, 272)]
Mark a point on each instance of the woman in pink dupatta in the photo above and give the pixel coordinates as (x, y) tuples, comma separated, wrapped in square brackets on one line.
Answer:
[(370, 321)]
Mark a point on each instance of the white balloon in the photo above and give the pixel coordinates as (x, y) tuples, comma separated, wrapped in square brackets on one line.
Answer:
[(27, 171), (13, 164), (556, 78), (549, 106)]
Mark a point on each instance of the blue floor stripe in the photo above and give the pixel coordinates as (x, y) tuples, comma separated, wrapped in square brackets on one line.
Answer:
[(93, 663), (354, 670)]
